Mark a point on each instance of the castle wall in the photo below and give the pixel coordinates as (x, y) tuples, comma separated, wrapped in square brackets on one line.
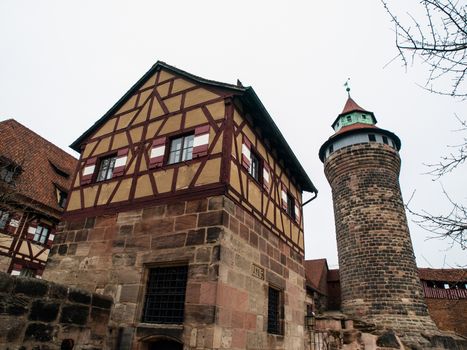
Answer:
[(449, 314), (232, 259), (36, 314)]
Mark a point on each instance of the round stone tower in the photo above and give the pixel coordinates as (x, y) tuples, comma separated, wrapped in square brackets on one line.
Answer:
[(378, 274)]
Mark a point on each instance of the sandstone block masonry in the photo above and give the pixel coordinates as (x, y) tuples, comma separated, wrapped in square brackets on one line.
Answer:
[(36, 314), (379, 279), (232, 260)]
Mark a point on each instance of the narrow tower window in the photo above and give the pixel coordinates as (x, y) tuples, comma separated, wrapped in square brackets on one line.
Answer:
[(385, 140), (274, 311), (372, 137)]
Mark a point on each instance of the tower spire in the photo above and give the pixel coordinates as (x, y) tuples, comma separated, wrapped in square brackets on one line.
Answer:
[(347, 87)]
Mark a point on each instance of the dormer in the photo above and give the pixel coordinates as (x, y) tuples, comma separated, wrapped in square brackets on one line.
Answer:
[(353, 114)]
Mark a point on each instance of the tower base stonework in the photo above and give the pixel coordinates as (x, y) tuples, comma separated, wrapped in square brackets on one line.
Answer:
[(232, 260)]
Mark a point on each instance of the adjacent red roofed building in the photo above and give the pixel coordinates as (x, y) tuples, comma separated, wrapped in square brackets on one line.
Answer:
[(35, 176), (445, 292)]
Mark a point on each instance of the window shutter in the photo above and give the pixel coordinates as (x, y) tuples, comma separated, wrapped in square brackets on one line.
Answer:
[(120, 162), (297, 212), (39, 273), (201, 141), (13, 224), (32, 230), (16, 269), (284, 196), (156, 157), (266, 177), (246, 153), (51, 238), (88, 171)]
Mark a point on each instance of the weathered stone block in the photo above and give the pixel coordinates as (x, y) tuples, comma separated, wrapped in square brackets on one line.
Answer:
[(75, 314), (102, 301), (169, 241), (195, 237), (79, 296), (153, 212), (62, 249), (30, 286), (210, 218), (39, 332), (213, 234), (175, 209), (44, 311), (196, 206), (185, 222), (200, 313)]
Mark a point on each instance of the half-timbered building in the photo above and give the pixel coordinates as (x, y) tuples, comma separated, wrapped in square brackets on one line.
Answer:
[(35, 176), (186, 208)]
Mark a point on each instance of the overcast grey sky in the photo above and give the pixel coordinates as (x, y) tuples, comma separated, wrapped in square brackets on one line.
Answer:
[(63, 64)]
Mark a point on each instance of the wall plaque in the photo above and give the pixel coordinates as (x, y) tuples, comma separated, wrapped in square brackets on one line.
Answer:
[(257, 271)]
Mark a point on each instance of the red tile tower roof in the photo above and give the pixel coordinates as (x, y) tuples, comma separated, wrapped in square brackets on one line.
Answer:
[(44, 166), (351, 106)]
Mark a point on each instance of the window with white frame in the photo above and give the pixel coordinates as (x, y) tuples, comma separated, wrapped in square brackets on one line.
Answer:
[(40, 236), (181, 149)]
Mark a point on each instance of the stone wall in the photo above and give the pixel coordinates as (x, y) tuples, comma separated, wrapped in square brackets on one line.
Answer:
[(449, 314), (231, 257), (35, 314), (379, 277), (5, 262)]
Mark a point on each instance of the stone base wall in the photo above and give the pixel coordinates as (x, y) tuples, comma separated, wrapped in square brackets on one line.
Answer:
[(231, 257), (449, 314), (5, 262), (36, 314)]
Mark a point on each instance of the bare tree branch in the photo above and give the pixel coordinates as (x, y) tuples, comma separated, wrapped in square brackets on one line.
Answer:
[(439, 40)]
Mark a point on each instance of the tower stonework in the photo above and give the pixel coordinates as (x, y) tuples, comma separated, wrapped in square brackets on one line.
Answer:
[(378, 272)]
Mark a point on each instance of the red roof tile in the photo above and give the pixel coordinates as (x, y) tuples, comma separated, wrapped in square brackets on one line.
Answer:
[(443, 275), (316, 274), (351, 105), (37, 158), (355, 127)]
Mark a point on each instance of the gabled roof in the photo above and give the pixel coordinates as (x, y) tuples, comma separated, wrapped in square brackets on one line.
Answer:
[(37, 158), (249, 98), (316, 271)]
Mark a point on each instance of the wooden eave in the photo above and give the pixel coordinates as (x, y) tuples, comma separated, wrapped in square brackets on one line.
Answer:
[(246, 94), (371, 129)]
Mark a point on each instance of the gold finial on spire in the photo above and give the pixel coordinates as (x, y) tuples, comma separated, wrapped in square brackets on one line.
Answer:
[(347, 86)]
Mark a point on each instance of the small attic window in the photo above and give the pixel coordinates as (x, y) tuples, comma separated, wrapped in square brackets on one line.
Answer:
[(349, 118), (364, 116), (337, 124), (59, 171)]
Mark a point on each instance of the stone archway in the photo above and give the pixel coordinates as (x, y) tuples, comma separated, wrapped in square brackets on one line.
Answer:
[(164, 344)]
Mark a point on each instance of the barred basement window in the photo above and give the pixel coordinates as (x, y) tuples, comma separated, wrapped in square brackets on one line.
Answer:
[(165, 295), (274, 311)]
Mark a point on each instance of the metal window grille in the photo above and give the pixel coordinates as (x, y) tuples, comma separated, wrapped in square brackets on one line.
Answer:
[(274, 311), (165, 295)]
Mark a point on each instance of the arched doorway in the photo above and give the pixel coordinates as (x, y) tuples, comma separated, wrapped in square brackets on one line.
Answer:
[(165, 344)]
